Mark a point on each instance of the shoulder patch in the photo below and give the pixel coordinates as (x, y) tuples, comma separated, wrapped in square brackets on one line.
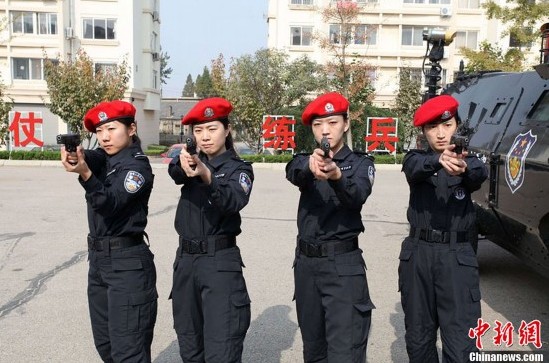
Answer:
[(371, 174), (133, 181), (245, 182)]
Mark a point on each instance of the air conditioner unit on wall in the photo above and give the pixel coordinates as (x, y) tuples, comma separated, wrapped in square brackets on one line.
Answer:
[(445, 11)]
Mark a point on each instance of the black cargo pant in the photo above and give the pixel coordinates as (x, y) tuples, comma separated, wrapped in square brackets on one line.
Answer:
[(439, 287), (122, 300), (211, 306), (333, 307)]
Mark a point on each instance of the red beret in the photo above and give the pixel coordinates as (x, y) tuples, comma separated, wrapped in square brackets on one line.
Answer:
[(328, 104), (440, 108), (209, 109), (109, 111)]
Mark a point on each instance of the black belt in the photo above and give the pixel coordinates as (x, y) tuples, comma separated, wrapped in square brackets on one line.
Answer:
[(113, 243), (322, 249), (198, 246), (436, 236)]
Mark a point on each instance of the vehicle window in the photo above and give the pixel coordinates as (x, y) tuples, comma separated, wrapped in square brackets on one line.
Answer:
[(540, 112)]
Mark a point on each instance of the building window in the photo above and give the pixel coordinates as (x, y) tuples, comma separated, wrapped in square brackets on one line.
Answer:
[(22, 22), (412, 35), (427, 1), (469, 4), (155, 79), (366, 34), (99, 28), (301, 2), (47, 23), (27, 68), (106, 68), (468, 39), (514, 42), (301, 35)]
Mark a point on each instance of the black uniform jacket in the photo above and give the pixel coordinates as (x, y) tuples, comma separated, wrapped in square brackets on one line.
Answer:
[(206, 210), (439, 200), (118, 191), (330, 210)]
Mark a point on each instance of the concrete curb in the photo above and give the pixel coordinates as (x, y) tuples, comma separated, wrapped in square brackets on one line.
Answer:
[(273, 166)]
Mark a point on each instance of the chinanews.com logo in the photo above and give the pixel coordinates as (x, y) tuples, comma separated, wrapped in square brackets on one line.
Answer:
[(513, 356), (528, 334)]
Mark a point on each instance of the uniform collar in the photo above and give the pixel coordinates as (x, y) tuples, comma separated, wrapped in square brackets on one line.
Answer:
[(342, 153), (132, 149), (220, 159)]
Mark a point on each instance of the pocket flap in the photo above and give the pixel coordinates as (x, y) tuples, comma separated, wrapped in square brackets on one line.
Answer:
[(467, 260), (350, 270), (126, 264), (405, 255), (364, 306), (143, 297), (229, 266), (240, 298), (475, 294)]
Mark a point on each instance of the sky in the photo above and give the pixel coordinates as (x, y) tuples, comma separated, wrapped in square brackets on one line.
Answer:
[(194, 32)]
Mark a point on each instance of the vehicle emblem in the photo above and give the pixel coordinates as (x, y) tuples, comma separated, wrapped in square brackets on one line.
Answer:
[(102, 116), (329, 107), (208, 112), (514, 163)]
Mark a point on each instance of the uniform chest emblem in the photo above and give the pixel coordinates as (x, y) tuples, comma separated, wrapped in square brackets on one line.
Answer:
[(133, 181), (245, 182), (219, 175), (514, 163), (459, 193), (347, 167)]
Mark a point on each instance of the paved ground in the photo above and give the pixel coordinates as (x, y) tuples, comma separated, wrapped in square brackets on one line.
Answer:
[(43, 308)]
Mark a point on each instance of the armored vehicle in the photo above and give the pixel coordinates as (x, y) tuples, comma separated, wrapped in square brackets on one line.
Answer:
[(506, 119)]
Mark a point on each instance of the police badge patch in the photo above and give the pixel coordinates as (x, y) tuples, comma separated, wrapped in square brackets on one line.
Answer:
[(208, 112), (459, 193), (245, 182), (133, 181), (329, 107), (514, 163), (371, 174)]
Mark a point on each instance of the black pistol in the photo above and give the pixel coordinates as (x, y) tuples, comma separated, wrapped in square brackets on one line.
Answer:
[(460, 142), (191, 144), (71, 141), (325, 146)]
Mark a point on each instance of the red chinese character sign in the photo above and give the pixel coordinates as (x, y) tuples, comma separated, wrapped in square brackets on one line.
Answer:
[(26, 128), (381, 134), (278, 132)]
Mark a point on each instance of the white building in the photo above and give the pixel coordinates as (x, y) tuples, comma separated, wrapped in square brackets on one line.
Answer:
[(108, 31), (393, 31)]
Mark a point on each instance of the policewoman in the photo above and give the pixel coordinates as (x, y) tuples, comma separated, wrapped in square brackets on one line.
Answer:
[(438, 270), (331, 291), (117, 179), (211, 306)]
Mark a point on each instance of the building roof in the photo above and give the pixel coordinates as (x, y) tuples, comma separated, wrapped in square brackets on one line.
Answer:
[(175, 108)]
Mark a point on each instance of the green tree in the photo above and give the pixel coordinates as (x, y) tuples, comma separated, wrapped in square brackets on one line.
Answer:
[(491, 58), (521, 16), (5, 108), (188, 90), (203, 85), (219, 81), (349, 73), (265, 83), (74, 87), (407, 100), (165, 71)]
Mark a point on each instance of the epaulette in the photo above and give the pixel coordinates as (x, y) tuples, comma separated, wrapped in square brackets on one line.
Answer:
[(139, 155), (302, 154), (238, 158), (365, 154)]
